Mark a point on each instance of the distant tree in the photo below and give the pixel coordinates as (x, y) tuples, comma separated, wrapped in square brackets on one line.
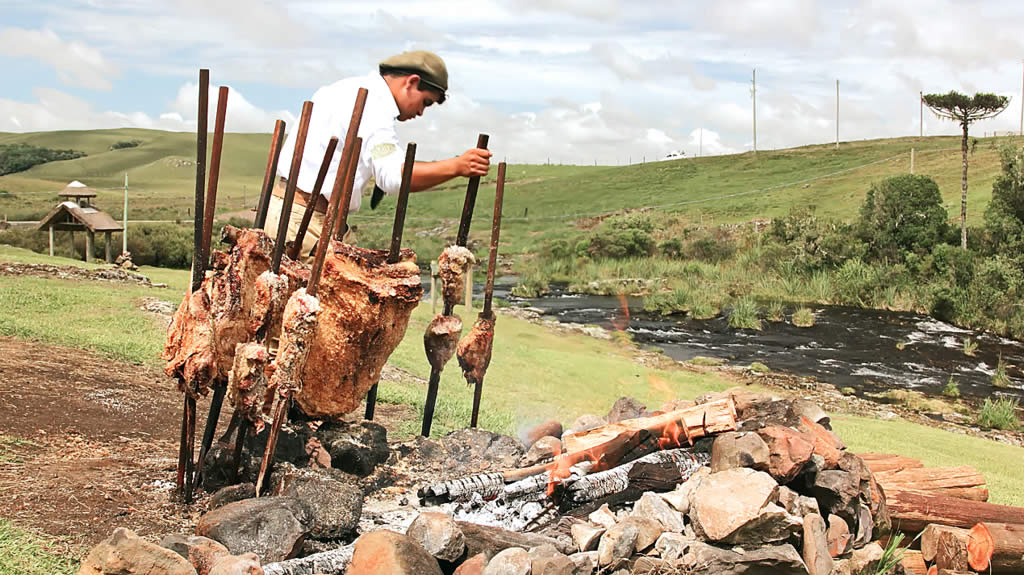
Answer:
[(965, 109), (902, 214)]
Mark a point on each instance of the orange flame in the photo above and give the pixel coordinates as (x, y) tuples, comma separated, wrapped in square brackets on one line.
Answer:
[(560, 469), (672, 436)]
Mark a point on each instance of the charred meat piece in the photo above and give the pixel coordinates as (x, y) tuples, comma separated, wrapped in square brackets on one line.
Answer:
[(270, 294), (248, 382), (301, 316), (474, 350), (189, 349), (440, 339), (452, 265), (365, 308)]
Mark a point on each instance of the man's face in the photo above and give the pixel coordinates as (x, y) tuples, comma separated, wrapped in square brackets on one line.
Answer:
[(414, 99)]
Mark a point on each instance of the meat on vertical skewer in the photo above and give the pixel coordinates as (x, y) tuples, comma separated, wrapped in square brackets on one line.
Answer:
[(474, 351), (452, 265), (440, 339)]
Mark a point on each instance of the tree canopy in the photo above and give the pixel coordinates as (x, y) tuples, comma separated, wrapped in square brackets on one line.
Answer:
[(963, 108)]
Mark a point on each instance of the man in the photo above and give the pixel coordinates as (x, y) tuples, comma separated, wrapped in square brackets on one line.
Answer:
[(402, 89)]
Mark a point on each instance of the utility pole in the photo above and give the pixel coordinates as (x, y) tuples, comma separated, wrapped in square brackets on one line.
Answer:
[(753, 94), (920, 103), (911, 161), (837, 113), (1021, 132), (124, 215), (700, 143)]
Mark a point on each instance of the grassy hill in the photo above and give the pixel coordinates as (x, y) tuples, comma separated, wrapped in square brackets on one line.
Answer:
[(541, 202)]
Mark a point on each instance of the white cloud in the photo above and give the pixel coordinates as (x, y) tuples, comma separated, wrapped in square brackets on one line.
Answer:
[(75, 62), (704, 142)]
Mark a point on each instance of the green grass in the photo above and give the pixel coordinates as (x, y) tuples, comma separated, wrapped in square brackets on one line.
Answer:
[(999, 463), (803, 317), (952, 389), (999, 378), (23, 553), (744, 314), (999, 414)]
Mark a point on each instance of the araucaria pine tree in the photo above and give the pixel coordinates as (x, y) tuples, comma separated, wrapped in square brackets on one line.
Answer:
[(965, 109)]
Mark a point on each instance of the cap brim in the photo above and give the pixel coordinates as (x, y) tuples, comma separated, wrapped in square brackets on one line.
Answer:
[(436, 88)]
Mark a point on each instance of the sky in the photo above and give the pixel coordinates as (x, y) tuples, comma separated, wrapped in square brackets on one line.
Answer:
[(562, 81)]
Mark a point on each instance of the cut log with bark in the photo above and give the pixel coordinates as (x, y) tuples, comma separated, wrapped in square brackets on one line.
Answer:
[(913, 563), (333, 561), (365, 308), (930, 539), (962, 482), (912, 512), (951, 551), (491, 540), (879, 462), (996, 548), (615, 480), (681, 425)]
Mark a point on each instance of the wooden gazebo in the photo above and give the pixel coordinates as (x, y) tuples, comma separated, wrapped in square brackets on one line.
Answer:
[(76, 213)]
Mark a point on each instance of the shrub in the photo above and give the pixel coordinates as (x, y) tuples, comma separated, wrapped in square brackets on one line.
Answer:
[(970, 347), (1004, 216), (125, 144), (671, 248), (701, 307), (952, 389), (744, 314), (758, 367), (803, 317), (999, 414), (706, 361), (776, 311), (667, 303), (710, 250), (20, 157), (1000, 378), (903, 214)]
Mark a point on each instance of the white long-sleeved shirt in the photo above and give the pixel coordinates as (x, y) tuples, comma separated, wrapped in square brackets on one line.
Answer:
[(380, 159)]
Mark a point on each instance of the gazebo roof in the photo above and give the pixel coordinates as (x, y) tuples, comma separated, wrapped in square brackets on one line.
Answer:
[(93, 219), (77, 189)]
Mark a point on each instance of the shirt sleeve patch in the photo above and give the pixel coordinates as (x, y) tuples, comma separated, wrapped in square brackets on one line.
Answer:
[(383, 150)]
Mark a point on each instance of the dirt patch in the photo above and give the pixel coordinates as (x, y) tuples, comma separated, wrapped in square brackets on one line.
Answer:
[(88, 443), (48, 271)]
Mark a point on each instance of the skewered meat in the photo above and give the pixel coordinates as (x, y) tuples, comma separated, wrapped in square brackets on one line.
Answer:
[(248, 382), (452, 265), (475, 349), (440, 339), (271, 293), (366, 303), (189, 350), (300, 322)]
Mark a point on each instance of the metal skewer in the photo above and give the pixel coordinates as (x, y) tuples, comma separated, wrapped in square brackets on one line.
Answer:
[(276, 142), (492, 264), (314, 197)]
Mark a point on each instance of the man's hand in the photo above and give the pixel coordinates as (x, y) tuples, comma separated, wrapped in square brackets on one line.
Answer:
[(474, 162)]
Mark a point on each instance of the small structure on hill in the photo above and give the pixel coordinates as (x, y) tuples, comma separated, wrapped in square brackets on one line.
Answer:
[(74, 213)]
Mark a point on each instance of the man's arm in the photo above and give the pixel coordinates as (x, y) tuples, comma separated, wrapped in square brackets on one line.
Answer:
[(474, 162)]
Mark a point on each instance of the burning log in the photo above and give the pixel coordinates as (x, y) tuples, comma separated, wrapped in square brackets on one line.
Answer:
[(333, 561), (597, 485), (996, 548), (912, 512), (491, 540), (487, 485)]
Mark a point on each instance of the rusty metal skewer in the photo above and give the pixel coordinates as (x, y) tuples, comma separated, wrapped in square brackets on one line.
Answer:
[(315, 270), (220, 387), (289, 191), (396, 246), (184, 474), (341, 228), (314, 198), (492, 264), (460, 240), (276, 142)]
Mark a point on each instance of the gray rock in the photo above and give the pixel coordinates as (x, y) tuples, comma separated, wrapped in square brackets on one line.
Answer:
[(543, 449), (467, 449), (772, 525), (647, 531), (652, 506), (739, 450), (837, 492), (625, 408), (768, 560), (247, 564), (356, 448), (617, 543), (672, 546), (864, 527), (549, 428), (125, 553), (512, 561), (815, 546), (438, 534), (232, 493), (337, 505), (866, 560), (585, 422), (796, 504), (271, 527), (585, 561), (555, 565), (603, 517), (586, 536)]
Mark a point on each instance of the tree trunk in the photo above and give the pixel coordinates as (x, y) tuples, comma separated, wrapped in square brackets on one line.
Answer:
[(912, 512), (963, 482), (913, 563), (930, 539), (996, 547), (951, 551), (963, 191)]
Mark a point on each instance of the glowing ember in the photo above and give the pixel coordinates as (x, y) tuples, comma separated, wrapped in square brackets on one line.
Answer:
[(672, 436)]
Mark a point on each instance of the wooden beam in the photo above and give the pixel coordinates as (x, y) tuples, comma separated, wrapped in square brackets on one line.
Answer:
[(912, 512), (51, 241), (107, 248), (89, 239)]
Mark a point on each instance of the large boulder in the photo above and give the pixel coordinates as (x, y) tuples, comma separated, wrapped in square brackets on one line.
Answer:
[(549, 428), (585, 422), (511, 561), (271, 527), (815, 546), (734, 449), (625, 408), (788, 451), (768, 560), (726, 501), (438, 534), (337, 504), (653, 506), (124, 553), (385, 552), (543, 449)]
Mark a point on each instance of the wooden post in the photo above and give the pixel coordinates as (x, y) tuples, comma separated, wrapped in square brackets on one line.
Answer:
[(51, 240), (106, 241), (911, 161), (469, 288), (72, 234), (90, 237)]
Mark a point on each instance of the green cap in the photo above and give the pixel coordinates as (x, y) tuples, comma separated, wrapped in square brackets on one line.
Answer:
[(427, 65)]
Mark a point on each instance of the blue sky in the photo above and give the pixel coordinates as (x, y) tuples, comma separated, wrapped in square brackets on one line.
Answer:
[(571, 80)]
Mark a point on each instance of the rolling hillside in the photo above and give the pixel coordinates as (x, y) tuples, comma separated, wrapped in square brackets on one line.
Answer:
[(541, 202)]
